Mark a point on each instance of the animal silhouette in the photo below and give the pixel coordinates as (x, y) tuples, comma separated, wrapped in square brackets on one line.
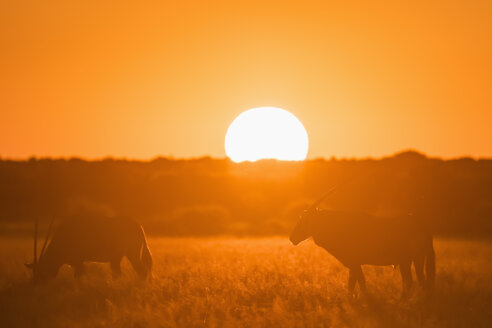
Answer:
[(356, 239), (94, 239)]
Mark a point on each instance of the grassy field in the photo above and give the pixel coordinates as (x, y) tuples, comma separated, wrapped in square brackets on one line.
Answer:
[(227, 282)]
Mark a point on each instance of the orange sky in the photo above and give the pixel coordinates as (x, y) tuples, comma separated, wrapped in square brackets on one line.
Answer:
[(168, 77)]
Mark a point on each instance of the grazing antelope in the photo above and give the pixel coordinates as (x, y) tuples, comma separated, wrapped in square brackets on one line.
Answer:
[(91, 239), (356, 239)]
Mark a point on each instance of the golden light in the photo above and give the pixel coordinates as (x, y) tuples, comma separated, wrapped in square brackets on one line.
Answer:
[(266, 133)]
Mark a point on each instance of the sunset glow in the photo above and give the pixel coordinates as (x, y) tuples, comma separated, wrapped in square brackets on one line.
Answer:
[(245, 163), (125, 80), (266, 132)]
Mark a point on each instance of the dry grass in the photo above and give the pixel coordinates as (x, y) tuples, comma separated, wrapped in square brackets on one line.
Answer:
[(229, 282)]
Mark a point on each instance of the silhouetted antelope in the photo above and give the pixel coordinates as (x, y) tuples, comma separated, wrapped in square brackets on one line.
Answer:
[(356, 239), (92, 239)]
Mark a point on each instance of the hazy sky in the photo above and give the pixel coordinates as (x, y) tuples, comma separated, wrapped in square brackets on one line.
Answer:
[(142, 79)]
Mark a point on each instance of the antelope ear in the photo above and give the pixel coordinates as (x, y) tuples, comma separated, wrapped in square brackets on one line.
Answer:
[(29, 265)]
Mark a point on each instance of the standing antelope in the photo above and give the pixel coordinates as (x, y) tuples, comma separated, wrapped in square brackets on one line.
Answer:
[(356, 239), (91, 239)]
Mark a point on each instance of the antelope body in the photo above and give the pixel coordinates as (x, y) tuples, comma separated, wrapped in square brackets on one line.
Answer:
[(356, 239), (89, 239)]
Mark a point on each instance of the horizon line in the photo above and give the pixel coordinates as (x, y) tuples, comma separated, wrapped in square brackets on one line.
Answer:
[(202, 157)]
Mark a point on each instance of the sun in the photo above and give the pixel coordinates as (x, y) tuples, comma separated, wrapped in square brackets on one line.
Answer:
[(266, 133)]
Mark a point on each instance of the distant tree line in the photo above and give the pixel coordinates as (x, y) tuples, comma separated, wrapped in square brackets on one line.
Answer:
[(216, 196)]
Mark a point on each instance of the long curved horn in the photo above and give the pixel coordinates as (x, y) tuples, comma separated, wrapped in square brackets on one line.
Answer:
[(35, 242), (47, 238), (317, 202)]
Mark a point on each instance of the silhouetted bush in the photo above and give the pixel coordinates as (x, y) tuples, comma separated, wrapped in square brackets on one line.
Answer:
[(216, 196), (198, 221)]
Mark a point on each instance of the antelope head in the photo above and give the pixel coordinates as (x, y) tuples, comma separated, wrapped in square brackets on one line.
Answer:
[(303, 230)]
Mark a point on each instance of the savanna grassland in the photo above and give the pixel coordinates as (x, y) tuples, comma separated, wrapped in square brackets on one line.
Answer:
[(228, 282)]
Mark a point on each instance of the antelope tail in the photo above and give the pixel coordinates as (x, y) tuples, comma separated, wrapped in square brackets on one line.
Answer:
[(430, 265), (146, 257)]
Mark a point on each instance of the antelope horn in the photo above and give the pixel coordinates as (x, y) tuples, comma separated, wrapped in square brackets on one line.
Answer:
[(35, 242), (47, 237), (316, 203)]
